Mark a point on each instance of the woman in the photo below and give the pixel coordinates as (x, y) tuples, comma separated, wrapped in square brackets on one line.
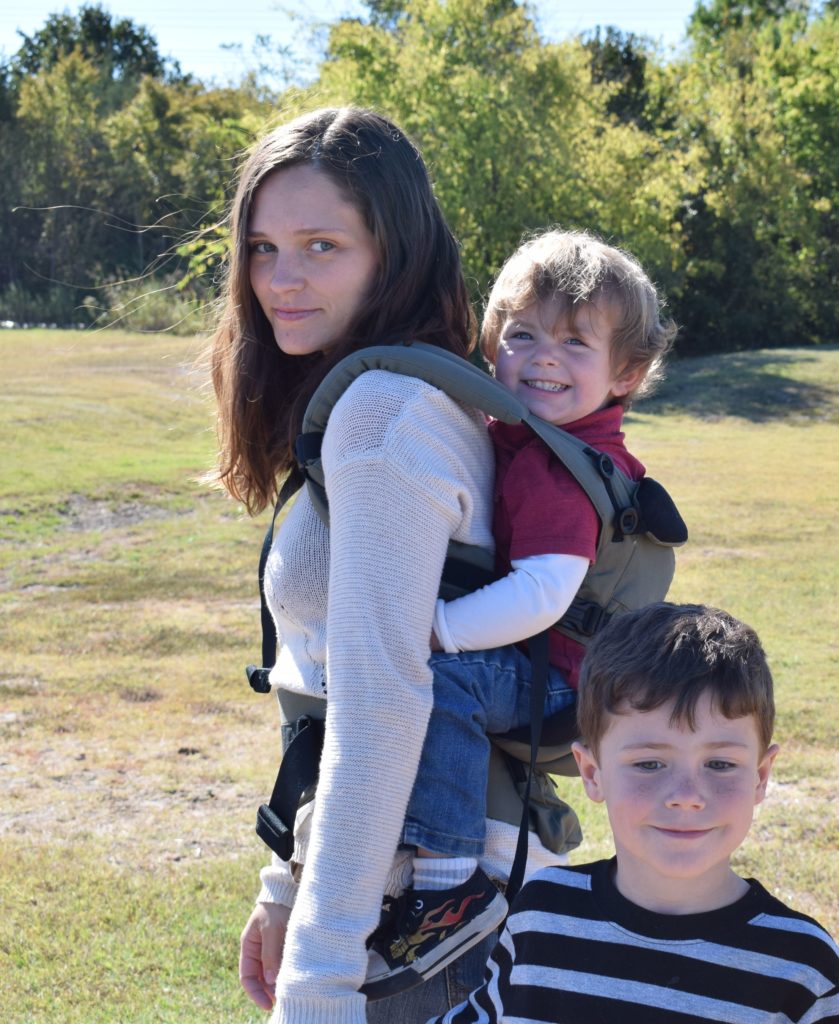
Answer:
[(338, 243)]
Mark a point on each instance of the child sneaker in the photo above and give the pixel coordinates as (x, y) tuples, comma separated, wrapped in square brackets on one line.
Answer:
[(426, 929)]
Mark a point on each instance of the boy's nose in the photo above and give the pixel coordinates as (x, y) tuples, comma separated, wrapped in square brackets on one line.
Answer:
[(685, 792)]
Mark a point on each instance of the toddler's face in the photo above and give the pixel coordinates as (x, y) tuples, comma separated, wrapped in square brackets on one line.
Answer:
[(561, 374)]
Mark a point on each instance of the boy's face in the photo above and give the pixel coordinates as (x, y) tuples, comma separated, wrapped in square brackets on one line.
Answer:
[(679, 802), (560, 374)]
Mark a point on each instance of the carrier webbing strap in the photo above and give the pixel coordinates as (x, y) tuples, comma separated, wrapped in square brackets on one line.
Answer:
[(258, 676), (298, 774), (538, 648), (469, 385)]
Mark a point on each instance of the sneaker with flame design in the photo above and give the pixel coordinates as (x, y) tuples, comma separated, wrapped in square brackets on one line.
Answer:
[(425, 930)]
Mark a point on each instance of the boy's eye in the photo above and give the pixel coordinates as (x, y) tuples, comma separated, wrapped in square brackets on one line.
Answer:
[(718, 765), (648, 766)]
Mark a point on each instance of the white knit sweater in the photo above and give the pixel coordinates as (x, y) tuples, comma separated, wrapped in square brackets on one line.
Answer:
[(406, 469)]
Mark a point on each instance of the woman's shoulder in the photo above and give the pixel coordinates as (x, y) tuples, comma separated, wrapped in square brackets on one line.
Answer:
[(382, 403), (416, 428)]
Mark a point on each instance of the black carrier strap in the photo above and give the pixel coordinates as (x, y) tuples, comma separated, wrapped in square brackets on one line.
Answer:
[(258, 677), (296, 781), (538, 647)]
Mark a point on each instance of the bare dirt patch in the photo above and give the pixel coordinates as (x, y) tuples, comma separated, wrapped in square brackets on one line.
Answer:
[(81, 513), (163, 798)]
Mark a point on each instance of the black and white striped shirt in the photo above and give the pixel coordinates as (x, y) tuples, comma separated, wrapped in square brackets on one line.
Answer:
[(574, 951)]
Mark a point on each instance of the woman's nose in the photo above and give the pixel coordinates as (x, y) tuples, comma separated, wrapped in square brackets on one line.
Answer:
[(286, 275)]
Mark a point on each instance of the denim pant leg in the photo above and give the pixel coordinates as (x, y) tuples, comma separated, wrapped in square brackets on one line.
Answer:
[(475, 693), (439, 994)]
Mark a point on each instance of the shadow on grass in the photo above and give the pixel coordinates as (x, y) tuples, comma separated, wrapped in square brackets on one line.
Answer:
[(751, 385)]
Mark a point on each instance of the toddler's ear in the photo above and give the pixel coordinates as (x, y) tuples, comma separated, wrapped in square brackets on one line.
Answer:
[(626, 382), (589, 771)]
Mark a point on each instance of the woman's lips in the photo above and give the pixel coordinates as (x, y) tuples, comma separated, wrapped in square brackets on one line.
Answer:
[(290, 315)]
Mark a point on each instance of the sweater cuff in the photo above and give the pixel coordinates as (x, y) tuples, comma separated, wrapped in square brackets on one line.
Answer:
[(278, 885), (349, 1009)]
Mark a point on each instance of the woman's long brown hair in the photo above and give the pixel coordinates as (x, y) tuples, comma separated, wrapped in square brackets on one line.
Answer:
[(418, 292)]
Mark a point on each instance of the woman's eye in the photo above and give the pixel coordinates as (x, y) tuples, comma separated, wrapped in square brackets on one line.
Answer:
[(323, 246), (261, 248)]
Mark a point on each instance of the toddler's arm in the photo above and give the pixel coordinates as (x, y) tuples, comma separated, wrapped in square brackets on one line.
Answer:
[(529, 599)]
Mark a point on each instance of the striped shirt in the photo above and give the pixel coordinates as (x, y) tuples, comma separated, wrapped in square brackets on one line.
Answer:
[(574, 951)]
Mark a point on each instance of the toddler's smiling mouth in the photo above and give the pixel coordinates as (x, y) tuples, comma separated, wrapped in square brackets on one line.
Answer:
[(546, 385)]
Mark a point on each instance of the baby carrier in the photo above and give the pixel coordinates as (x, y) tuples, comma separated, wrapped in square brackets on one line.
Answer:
[(634, 566)]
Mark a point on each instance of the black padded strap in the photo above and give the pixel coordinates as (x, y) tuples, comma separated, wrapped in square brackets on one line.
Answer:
[(538, 649)]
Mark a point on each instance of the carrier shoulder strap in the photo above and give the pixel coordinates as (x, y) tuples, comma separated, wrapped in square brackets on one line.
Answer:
[(469, 385)]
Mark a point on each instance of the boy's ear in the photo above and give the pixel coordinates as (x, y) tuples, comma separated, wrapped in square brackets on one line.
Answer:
[(764, 770), (589, 771)]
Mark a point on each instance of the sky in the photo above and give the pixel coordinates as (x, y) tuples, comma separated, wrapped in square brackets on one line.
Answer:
[(193, 31)]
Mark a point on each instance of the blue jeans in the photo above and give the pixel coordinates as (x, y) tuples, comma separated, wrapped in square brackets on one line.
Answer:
[(475, 693), (439, 994)]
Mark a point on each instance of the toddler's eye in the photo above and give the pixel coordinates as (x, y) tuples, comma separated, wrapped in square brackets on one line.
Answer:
[(521, 335), (574, 341)]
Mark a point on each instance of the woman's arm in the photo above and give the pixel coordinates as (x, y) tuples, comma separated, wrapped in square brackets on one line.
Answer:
[(402, 464)]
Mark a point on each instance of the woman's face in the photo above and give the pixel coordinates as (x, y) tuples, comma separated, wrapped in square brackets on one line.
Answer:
[(312, 259)]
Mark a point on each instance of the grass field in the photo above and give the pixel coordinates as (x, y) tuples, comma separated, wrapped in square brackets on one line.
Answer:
[(133, 754)]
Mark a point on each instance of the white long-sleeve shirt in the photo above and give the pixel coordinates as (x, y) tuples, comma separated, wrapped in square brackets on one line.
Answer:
[(406, 470)]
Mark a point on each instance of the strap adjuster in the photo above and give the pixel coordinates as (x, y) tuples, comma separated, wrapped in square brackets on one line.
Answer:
[(258, 678)]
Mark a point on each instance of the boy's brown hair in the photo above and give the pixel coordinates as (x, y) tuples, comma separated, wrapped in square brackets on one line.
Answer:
[(567, 270), (674, 652)]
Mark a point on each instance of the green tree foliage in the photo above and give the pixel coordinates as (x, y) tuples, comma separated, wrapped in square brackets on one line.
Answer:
[(760, 241), (718, 166), (121, 49), (516, 132), (713, 20), (110, 158)]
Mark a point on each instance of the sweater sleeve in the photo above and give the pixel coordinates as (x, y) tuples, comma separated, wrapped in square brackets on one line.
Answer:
[(400, 479)]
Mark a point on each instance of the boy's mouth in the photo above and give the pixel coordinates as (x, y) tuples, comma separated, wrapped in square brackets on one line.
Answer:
[(546, 385)]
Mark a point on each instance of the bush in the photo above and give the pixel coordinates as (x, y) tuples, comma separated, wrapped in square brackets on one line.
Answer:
[(151, 305), (55, 306)]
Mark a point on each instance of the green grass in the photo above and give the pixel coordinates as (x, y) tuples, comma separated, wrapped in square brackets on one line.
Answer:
[(133, 754)]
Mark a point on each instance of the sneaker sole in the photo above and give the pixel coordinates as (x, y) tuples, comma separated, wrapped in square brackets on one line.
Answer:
[(439, 957)]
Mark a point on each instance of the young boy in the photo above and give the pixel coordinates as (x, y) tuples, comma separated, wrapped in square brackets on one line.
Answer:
[(676, 713), (573, 328)]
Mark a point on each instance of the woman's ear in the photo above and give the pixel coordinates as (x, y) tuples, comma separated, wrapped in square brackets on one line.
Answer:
[(589, 771)]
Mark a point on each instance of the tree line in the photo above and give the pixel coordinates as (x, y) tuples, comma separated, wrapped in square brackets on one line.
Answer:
[(717, 165)]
